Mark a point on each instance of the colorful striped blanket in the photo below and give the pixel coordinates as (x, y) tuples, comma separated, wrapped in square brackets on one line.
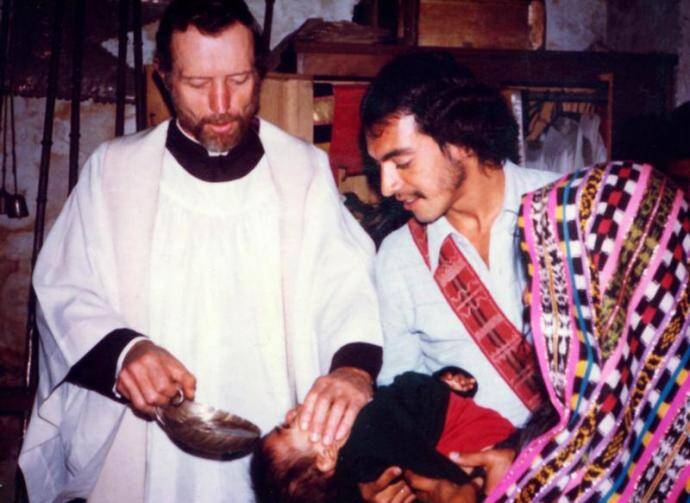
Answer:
[(608, 251)]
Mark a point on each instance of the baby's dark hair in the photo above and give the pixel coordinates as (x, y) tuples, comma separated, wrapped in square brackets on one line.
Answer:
[(293, 480)]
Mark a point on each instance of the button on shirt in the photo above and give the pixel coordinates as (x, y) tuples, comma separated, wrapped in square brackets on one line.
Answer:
[(421, 331)]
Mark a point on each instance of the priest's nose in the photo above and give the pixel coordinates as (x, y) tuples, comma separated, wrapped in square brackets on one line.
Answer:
[(220, 98)]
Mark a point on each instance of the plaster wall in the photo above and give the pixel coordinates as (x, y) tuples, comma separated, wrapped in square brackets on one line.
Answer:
[(288, 15), (575, 25), (646, 26), (16, 236), (643, 26), (683, 71)]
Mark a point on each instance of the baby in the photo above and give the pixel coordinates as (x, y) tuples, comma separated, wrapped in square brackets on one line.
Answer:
[(414, 423)]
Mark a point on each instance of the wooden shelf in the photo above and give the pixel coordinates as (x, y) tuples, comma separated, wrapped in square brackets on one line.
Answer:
[(640, 84)]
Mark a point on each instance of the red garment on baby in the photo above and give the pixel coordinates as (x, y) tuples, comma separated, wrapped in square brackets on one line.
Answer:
[(471, 428)]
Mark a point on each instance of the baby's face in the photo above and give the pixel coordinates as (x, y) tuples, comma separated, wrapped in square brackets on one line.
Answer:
[(288, 439)]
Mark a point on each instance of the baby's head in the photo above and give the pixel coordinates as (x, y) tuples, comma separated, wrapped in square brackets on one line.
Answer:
[(287, 467), (459, 380)]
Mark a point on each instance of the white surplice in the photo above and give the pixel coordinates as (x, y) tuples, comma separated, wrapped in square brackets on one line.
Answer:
[(215, 299)]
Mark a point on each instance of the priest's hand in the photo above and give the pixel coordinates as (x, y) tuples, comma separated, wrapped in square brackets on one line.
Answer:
[(150, 377), (494, 461), (390, 487), (430, 490), (333, 403)]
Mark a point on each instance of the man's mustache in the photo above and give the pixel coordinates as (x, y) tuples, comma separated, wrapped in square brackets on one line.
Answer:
[(220, 119)]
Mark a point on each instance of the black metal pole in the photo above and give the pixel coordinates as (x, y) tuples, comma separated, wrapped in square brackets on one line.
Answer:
[(268, 24), (31, 371), (139, 74), (4, 41), (75, 119), (121, 89)]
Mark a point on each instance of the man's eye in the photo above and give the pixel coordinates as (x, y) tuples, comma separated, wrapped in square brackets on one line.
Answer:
[(238, 80), (403, 165), (197, 83)]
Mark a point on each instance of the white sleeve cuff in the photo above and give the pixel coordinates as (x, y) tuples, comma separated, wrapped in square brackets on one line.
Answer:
[(121, 359)]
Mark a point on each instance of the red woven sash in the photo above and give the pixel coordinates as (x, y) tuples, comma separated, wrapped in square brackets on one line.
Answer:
[(499, 340)]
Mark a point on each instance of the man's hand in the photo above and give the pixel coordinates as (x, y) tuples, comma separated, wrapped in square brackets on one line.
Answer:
[(333, 403), (440, 490), (388, 488), (494, 461), (150, 376)]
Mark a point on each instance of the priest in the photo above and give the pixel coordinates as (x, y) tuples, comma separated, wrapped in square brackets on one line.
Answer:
[(210, 254)]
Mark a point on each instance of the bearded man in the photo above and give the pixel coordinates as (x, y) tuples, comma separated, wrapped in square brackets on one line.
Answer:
[(210, 254), (450, 282)]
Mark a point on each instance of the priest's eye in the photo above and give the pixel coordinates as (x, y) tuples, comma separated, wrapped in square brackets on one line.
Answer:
[(238, 80), (197, 83)]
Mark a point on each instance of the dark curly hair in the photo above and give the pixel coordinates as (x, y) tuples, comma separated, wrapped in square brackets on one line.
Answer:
[(474, 116), (399, 82), (209, 17), (448, 106), (294, 480)]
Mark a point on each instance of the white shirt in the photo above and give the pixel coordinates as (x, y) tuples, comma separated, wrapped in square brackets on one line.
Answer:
[(421, 331)]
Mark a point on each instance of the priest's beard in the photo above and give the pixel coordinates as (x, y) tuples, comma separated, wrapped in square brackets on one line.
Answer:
[(215, 141)]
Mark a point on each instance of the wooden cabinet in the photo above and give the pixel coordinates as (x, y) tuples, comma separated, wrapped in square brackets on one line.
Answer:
[(501, 24)]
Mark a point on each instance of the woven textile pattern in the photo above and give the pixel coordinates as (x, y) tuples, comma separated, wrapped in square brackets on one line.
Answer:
[(608, 251)]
